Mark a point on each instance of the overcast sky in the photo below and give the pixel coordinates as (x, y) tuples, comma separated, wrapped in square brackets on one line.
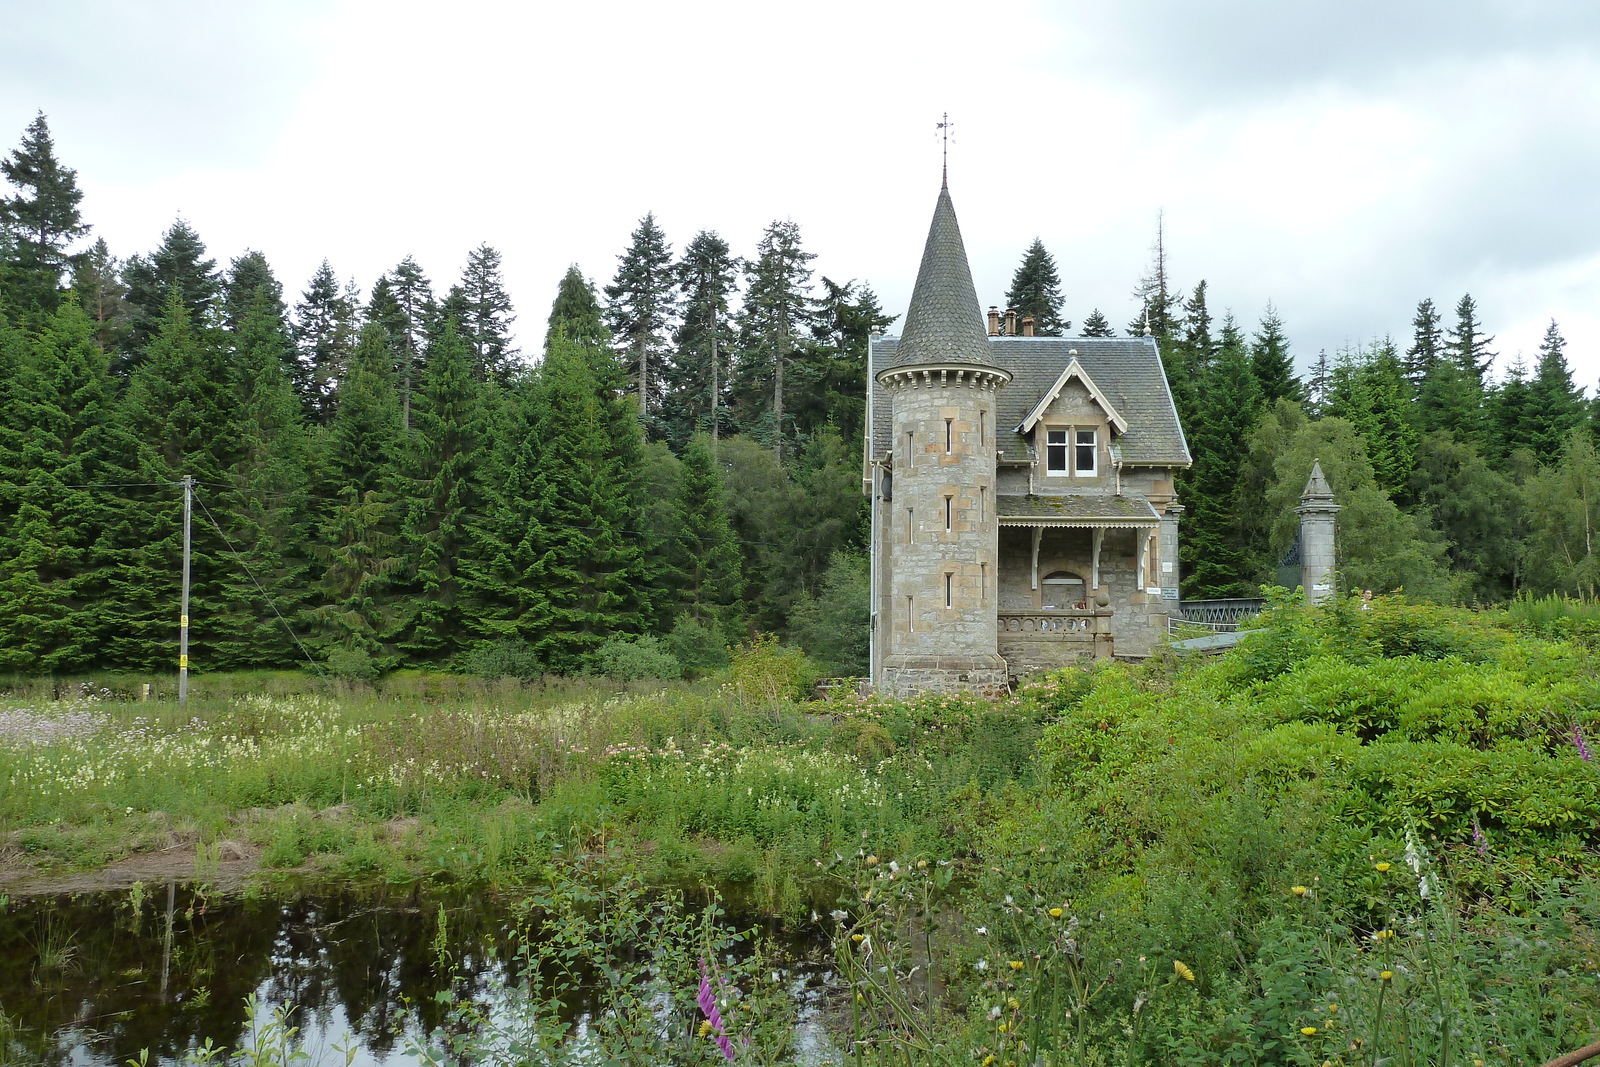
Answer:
[(1341, 160)]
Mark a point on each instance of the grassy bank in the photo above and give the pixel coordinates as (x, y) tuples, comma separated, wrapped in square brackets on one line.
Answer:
[(1364, 837)]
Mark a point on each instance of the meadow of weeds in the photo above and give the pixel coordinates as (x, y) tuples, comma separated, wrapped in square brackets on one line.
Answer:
[(1363, 837)]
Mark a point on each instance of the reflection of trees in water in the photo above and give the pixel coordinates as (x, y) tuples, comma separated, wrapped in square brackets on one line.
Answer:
[(355, 952)]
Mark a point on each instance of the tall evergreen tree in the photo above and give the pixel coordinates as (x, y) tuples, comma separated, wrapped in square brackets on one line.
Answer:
[(1036, 292), (576, 311), (777, 312), (698, 380), (1427, 344), (40, 222), (1095, 324), (1467, 344), (402, 303), (178, 268), (1508, 415), (248, 274), (484, 315), (1270, 361), (1217, 557), (440, 488), (97, 279), (323, 341), (1555, 405), (640, 306), (832, 371), (1319, 383), (1371, 392), (703, 557)]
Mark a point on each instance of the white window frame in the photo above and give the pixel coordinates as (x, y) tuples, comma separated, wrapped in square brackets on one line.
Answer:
[(1093, 444), (1065, 444)]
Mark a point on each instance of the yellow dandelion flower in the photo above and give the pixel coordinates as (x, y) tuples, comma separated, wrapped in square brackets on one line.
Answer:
[(1182, 970), (1013, 1005), (1333, 1007), (1309, 1031), (1299, 890), (1016, 965), (1002, 1028), (857, 938), (1381, 868), (705, 1027), (1055, 913), (988, 1061), (1384, 976)]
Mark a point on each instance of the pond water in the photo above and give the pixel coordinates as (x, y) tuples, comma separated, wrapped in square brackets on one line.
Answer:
[(94, 979)]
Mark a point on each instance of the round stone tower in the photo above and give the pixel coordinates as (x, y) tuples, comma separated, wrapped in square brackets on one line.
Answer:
[(940, 522)]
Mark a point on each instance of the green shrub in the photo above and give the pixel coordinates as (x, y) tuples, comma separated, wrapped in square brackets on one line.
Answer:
[(697, 647), (506, 658), (629, 659), (352, 664), (765, 674)]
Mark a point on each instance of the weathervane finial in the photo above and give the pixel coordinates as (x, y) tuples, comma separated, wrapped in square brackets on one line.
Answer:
[(944, 129)]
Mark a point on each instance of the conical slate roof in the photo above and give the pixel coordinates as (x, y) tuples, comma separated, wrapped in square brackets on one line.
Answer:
[(944, 323), (1317, 485)]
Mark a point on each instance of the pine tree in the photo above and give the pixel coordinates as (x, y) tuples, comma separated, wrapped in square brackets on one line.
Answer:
[(322, 340), (178, 268), (1095, 324), (1509, 410), (697, 383), (576, 312), (1160, 304), (640, 308), (1270, 361), (777, 312), (248, 274), (1467, 344), (832, 371), (1555, 405), (440, 488), (1036, 292), (1374, 396), (484, 316), (1427, 344), (1319, 384), (97, 279), (40, 222)]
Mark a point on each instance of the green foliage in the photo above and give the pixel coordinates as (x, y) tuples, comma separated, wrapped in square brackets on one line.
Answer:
[(835, 625), (506, 658), (629, 659), (1036, 292), (764, 674)]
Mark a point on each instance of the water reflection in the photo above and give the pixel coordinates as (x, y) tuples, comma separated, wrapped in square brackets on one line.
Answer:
[(92, 980)]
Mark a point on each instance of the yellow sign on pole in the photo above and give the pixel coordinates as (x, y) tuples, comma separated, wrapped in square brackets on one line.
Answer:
[(183, 661)]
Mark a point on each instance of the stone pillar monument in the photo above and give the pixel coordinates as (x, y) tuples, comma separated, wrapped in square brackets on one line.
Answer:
[(1317, 513)]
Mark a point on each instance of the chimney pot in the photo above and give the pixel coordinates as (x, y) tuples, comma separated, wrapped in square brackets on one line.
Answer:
[(1027, 326), (1011, 322), (994, 321)]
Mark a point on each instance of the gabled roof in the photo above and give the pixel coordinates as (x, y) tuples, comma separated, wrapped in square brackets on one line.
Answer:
[(944, 323), (1074, 369), (1127, 371)]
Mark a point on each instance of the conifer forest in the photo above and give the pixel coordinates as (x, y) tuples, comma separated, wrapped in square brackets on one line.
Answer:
[(669, 464)]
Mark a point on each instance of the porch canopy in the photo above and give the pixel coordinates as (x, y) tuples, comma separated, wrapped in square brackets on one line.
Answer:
[(1094, 512)]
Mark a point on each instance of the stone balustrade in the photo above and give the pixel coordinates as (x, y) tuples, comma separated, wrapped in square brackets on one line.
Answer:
[(1070, 623)]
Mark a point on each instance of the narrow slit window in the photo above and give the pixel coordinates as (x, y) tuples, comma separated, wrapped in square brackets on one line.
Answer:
[(949, 514), (949, 590), (1055, 452), (949, 436), (911, 444), (911, 526), (983, 583), (983, 427), (911, 614), (983, 503), (1086, 448)]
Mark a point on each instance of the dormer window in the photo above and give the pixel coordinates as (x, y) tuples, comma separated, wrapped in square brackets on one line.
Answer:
[(1086, 448), (1055, 452)]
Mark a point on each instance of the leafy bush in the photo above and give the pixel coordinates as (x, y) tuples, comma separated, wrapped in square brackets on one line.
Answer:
[(765, 674), (352, 664), (629, 659), (697, 647), (506, 658)]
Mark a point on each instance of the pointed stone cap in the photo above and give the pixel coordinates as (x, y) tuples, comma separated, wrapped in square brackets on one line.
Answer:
[(944, 323), (1317, 488)]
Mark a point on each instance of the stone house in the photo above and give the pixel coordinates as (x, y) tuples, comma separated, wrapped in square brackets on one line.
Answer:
[(1023, 512)]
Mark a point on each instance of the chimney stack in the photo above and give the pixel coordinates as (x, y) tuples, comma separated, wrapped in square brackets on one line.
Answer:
[(1027, 326), (1011, 322), (994, 321)]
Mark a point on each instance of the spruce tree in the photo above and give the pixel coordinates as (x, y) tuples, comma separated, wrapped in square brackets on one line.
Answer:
[(1509, 413), (97, 279), (777, 312), (248, 274), (440, 487), (1270, 361), (1475, 507), (322, 342), (484, 316), (1555, 405), (833, 369), (1467, 344), (1160, 302), (576, 311), (640, 306), (40, 222), (1217, 557), (263, 591), (1095, 324), (177, 269), (1427, 344), (1036, 292), (402, 303), (697, 383), (704, 560)]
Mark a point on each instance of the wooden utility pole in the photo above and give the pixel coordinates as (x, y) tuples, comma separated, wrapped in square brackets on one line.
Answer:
[(183, 610)]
